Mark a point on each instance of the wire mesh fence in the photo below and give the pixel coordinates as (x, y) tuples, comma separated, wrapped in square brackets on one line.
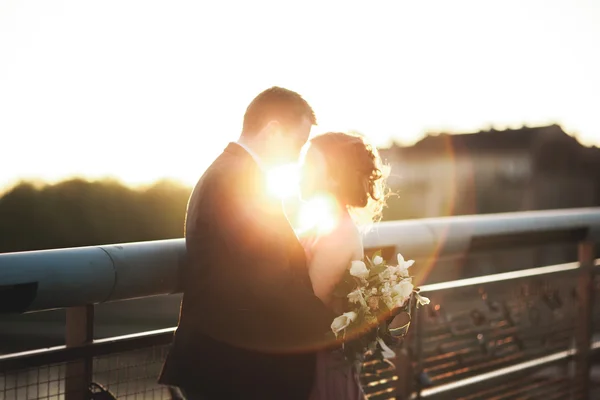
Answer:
[(126, 375), (132, 375), (45, 382)]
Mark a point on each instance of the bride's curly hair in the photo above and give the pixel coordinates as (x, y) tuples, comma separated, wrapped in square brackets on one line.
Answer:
[(354, 165)]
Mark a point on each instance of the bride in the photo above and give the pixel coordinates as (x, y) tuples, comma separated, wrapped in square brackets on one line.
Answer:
[(347, 175)]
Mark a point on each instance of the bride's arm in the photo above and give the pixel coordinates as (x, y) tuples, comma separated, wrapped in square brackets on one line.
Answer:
[(331, 256)]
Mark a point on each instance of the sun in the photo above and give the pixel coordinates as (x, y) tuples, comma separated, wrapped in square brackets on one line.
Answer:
[(284, 181), (315, 214)]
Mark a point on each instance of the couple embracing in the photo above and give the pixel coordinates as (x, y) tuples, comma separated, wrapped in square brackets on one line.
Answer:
[(258, 297)]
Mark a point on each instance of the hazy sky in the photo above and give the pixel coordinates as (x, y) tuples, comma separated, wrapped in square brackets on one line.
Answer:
[(146, 89)]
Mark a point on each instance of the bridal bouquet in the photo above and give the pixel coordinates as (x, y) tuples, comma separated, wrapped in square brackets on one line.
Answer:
[(375, 293)]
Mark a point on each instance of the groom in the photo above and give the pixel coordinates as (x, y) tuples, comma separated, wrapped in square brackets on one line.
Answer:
[(250, 324)]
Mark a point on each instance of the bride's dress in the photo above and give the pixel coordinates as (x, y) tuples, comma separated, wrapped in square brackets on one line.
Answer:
[(335, 379)]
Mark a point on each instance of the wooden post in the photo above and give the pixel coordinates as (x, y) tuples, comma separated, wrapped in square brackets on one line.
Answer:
[(79, 332), (583, 334)]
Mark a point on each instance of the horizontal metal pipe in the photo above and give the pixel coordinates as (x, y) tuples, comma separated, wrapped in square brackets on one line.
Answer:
[(42, 280), (99, 347), (505, 276)]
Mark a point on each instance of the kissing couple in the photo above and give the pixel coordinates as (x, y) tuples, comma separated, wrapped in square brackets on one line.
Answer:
[(258, 297)]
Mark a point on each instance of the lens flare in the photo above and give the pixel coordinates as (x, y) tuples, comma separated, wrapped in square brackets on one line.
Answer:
[(283, 181), (319, 213)]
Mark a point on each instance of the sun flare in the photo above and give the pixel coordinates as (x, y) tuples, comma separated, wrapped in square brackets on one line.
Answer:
[(284, 181), (319, 214)]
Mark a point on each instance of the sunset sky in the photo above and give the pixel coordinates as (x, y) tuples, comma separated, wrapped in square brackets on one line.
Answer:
[(141, 90)]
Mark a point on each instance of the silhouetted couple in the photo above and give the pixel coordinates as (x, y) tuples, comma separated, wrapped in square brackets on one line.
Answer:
[(257, 296)]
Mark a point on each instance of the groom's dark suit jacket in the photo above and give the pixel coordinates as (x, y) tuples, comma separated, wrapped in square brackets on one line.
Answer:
[(249, 323)]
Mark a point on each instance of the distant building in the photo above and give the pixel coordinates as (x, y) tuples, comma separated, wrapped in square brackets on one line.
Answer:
[(493, 171), (530, 168)]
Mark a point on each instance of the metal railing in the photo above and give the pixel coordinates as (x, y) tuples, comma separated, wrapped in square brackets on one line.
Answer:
[(498, 332), (128, 366), (77, 279)]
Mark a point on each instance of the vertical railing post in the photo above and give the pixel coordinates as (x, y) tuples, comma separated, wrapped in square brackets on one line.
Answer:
[(404, 357), (583, 338), (405, 374), (420, 320), (79, 332)]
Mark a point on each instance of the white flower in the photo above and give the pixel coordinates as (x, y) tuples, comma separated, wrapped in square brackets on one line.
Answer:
[(377, 260), (422, 299), (403, 265), (400, 258), (399, 301), (389, 301), (385, 275), (343, 321), (401, 292), (359, 270), (356, 296), (385, 288), (387, 353), (403, 289)]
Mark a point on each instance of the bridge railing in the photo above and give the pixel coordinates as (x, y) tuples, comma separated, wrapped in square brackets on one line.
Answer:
[(495, 334), (475, 333)]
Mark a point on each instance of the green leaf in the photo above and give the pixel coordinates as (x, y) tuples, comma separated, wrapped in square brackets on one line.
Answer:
[(383, 307), (345, 286), (376, 270)]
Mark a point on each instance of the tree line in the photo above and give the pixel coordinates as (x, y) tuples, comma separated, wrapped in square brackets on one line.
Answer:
[(82, 213), (77, 213)]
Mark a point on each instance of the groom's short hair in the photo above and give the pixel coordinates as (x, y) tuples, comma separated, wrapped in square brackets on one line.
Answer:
[(279, 104)]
